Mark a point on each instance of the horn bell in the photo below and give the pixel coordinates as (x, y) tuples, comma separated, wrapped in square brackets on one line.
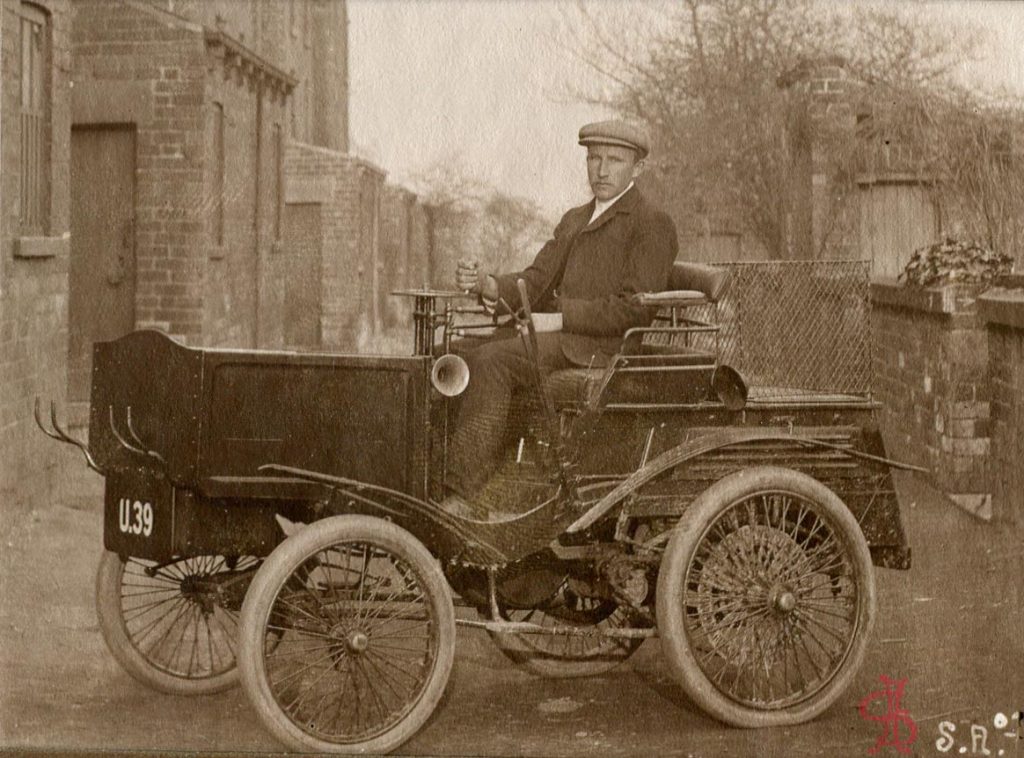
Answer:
[(729, 387), (450, 375)]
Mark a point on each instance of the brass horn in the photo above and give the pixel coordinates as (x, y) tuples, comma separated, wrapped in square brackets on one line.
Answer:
[(450, 375)]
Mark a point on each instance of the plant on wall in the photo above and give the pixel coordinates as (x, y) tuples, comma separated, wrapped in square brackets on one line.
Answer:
[(955, 261)]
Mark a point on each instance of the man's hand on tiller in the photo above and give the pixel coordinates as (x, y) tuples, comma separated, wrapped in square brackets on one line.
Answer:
[(467, 279)]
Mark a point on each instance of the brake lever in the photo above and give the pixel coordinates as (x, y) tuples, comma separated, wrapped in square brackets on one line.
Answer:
[(529, 335), (527, 321)]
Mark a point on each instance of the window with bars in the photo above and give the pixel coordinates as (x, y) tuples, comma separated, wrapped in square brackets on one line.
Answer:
[(34, 116)]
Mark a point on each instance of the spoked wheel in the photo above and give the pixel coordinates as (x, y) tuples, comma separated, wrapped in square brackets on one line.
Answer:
[(766, 598), (173, 626), (347, 637), (566, 656)]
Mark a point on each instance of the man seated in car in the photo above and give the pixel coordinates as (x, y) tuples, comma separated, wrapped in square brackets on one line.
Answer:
[(580, 286)]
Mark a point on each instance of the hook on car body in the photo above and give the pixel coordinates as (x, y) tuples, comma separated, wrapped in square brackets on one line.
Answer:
[(39, 423), (135, 436), (60, 435), (141, 448), (118, 436)]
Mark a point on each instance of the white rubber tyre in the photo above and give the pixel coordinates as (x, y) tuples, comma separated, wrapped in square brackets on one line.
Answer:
[(766, 598), (163, 628), (347, 637)]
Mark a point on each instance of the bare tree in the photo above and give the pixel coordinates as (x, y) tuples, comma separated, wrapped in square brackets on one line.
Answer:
[(475, 221), (723, 84), (967, 151)]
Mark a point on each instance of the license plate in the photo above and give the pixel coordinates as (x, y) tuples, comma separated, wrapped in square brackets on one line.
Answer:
[(135, 516), (139, 512)]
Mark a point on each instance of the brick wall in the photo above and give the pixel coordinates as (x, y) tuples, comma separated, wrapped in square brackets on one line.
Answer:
[(204, 281), (1003, 310), (308, 38), (930, 363), (133, 66), (819, 223), (33, 272), (273, 264), (396, 236), (420, 267), (243, 299), (231, 287), (350, 191), (152, 65)]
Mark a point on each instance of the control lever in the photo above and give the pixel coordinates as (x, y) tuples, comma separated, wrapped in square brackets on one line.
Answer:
[(528, 332)]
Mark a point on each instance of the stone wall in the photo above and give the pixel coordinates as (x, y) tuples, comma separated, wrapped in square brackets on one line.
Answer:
[(930, 365), (1003, 311)]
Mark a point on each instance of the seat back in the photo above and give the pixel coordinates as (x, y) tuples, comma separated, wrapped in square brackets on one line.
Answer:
[(712, 281)]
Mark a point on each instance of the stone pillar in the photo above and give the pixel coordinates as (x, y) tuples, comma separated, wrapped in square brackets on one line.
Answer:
[(930, 365), (820, 110), (1002, 310)]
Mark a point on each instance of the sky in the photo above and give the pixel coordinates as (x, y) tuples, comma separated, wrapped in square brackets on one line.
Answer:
[(485, 85)]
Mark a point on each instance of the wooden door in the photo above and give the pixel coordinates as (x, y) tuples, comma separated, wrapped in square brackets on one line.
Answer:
[(895, 220), (102, 267), (302, 241)]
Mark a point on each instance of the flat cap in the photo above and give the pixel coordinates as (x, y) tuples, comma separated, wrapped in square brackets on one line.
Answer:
[(616, 132)]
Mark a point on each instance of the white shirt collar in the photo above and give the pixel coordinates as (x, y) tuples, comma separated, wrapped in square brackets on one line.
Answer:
[(600, 206)]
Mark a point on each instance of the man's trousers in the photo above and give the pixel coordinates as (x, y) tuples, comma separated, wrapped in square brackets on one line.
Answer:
[(497, 369)]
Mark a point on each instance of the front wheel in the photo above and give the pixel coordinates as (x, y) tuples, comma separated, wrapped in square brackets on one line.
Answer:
[(347, 637), (766, 598)]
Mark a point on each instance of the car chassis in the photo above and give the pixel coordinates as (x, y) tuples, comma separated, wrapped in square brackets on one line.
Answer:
[(274, 516)]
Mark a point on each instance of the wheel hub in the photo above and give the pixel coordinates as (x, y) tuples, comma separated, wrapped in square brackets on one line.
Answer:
[(743, 605), (196, 588), (357, 642), (783, 601)]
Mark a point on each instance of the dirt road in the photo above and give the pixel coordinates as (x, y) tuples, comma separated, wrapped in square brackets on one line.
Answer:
[(953, 627)]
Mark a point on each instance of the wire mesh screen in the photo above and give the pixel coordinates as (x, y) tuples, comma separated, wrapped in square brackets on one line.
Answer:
[(795, 327)]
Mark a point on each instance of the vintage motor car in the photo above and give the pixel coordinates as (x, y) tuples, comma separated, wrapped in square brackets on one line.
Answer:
[(273, 517)]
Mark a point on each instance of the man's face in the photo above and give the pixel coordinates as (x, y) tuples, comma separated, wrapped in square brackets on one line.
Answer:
[(610, 168)]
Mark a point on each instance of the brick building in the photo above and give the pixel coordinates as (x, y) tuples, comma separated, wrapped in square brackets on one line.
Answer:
[(180, 165), (34, 231), (192, 103), (333, 206)]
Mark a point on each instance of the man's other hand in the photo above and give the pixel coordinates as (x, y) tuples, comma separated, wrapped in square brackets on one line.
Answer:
[(547, 322)]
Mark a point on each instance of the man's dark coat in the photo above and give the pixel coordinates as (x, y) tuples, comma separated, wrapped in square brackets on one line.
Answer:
[(630, 248)]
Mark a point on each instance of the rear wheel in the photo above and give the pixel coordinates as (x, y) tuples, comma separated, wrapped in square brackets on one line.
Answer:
[(347, 637), (766, 598), (569, 655), (173, 626)]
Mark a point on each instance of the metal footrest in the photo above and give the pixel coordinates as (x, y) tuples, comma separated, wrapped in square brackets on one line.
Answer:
[(527, 627)]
